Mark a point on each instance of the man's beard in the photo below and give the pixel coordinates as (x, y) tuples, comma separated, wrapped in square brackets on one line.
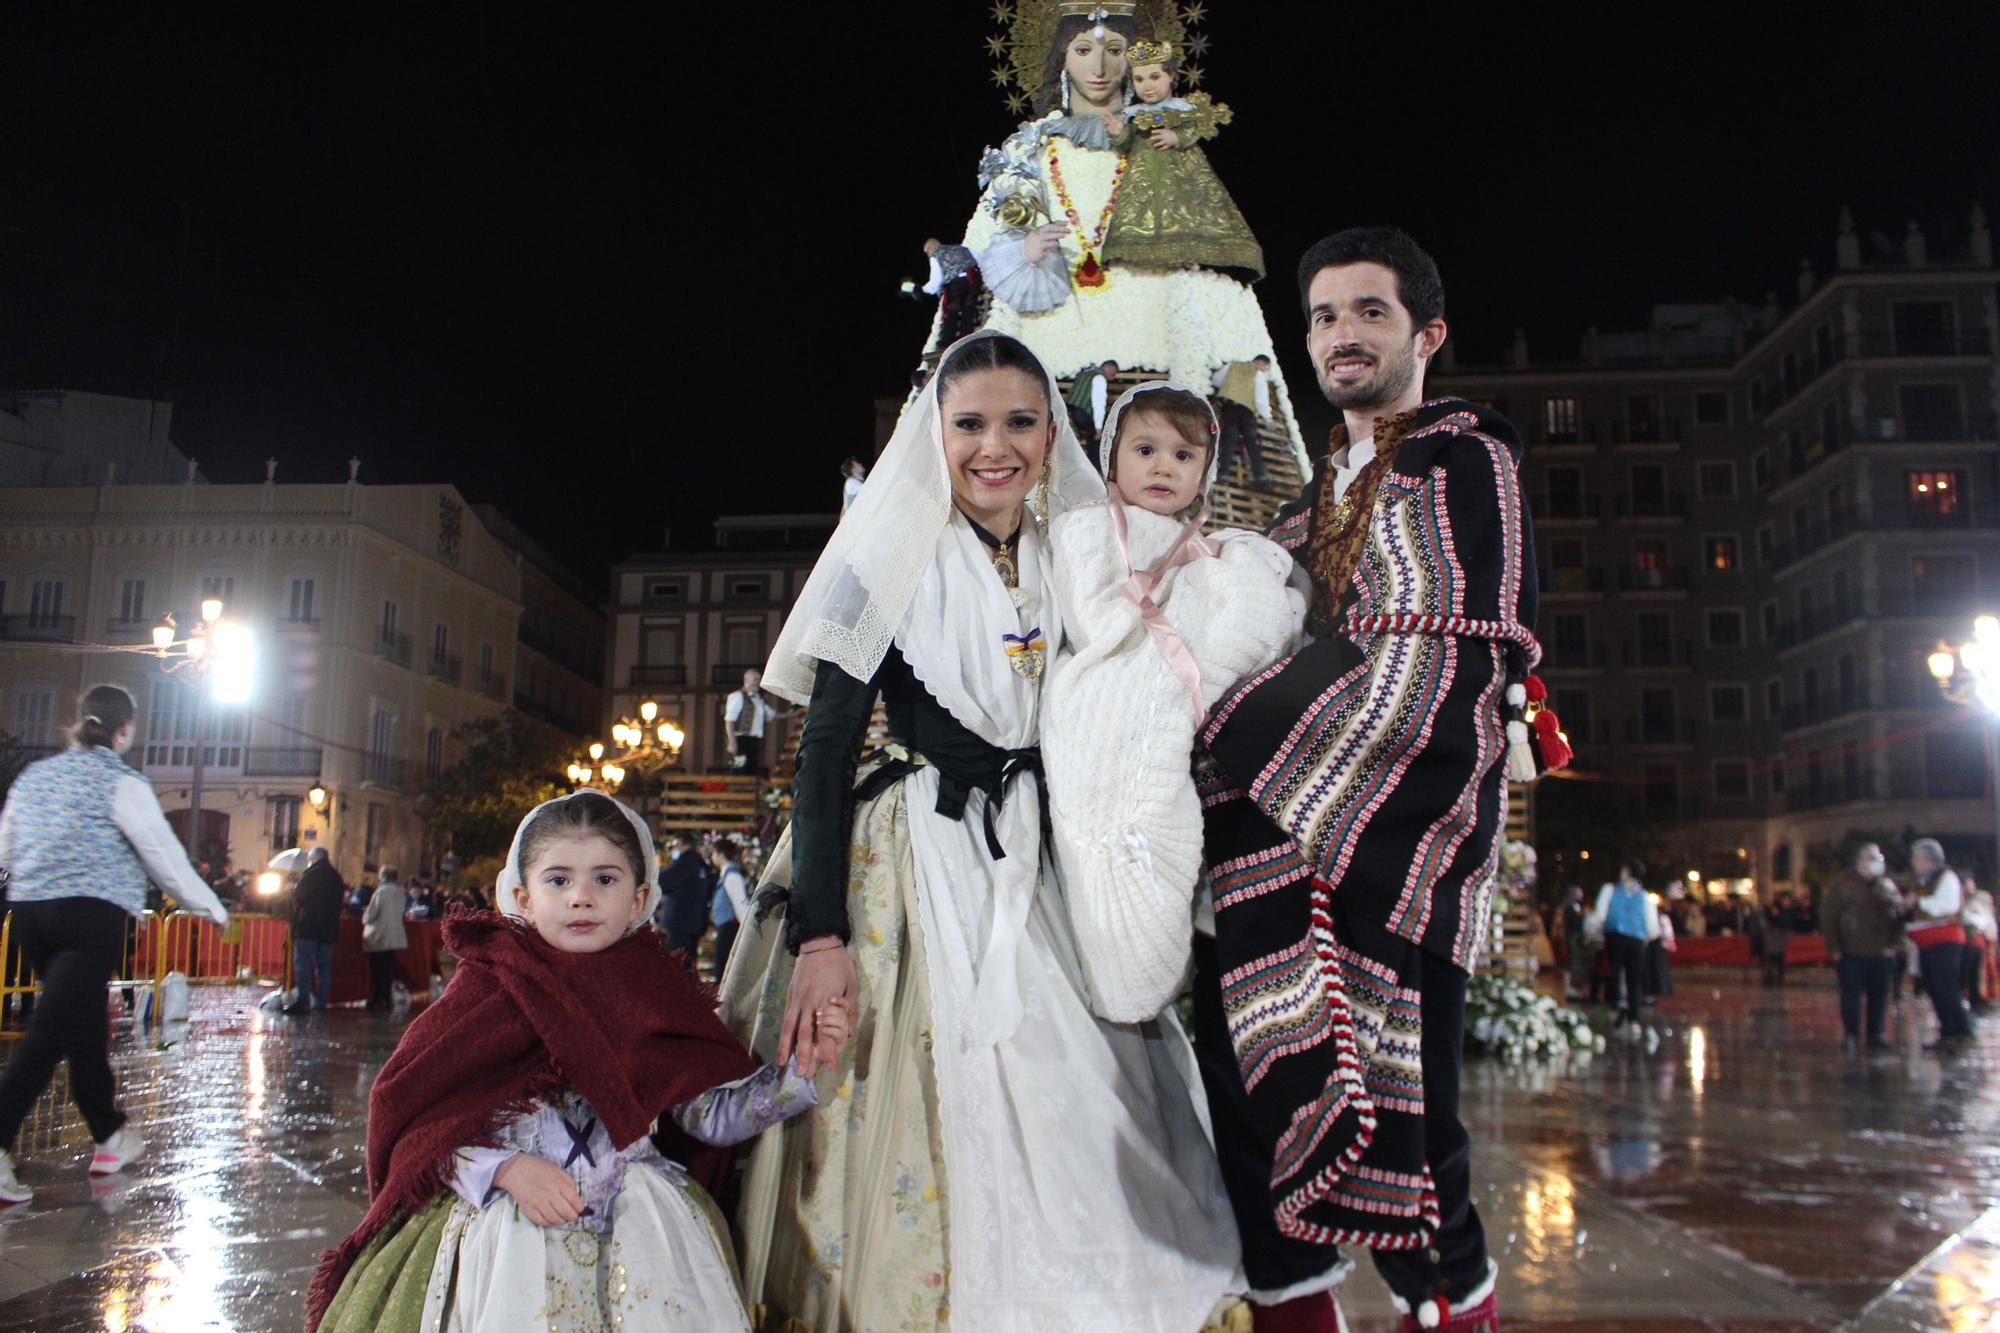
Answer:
[(1388, 383)]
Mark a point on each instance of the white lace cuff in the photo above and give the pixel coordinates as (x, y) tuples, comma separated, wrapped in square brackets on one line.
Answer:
[(1028, 288)]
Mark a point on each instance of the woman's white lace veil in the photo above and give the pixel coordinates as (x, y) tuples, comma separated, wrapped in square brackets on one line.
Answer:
[(1107, 439), (510, 873), (862, 586)]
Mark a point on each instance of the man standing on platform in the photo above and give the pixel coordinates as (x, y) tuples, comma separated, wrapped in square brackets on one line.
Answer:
[(685, 889), (746, 714), (1354, 797)]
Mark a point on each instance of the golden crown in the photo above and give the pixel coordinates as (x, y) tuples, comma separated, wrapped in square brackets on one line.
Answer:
[(1097, 10), (1145, 52)]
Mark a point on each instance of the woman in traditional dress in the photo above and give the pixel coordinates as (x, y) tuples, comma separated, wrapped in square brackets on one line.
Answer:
[(989, 1154), (1052, 212)]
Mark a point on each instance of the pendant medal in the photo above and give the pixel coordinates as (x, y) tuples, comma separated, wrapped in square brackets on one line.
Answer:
[(1089, 274), (1025, 653), (1004, 566)]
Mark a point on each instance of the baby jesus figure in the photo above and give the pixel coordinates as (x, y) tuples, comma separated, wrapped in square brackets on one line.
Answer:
[(1172, 209)]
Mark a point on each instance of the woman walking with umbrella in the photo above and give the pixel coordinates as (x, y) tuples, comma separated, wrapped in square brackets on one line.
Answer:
[(81, 834)]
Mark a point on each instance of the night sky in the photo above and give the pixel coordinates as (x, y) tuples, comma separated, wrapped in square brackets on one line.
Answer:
[(615, 272)]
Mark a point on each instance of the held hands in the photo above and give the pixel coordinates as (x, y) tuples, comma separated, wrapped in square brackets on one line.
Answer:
[(1042, 240), (817, 1012), (543, 1190)]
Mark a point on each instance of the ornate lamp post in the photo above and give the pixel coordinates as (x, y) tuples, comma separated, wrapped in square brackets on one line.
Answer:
[(221, 656), (1969, 674), (640, 747)]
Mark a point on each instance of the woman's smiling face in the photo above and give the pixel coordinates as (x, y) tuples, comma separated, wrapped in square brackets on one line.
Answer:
[(997, 431)]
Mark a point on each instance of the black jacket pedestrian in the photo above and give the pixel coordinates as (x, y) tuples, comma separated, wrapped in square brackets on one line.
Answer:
[(685, 888), (316, 903)]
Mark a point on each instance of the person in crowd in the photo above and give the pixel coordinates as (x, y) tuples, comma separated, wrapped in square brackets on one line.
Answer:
[(80, 836), (1780, 919), (383, 937), (1861, 918), (503, 1196), (853, 475), (1980, 925), (746, 715), (1660, 958), (1242, 400), (730, 903), (1933, 910), (686, 888), (316, 906), (981, 1091), (1630, 920), (1577, 958), (1090, 393), (955, 280)]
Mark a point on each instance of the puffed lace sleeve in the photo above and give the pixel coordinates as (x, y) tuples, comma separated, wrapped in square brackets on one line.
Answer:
[(1011, 202), (746, 1108)]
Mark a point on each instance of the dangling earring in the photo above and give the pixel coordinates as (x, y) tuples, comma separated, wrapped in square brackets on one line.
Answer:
[(1042, 491), (1065, 92)]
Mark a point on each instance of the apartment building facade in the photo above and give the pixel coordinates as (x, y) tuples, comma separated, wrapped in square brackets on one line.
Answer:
[(1752, 526), (384, 617)]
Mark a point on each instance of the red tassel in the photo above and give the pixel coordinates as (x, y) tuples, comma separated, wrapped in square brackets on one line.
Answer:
[(1555, 750), (1536, 690)]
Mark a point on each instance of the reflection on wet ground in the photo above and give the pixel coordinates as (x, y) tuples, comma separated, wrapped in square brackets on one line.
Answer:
[(1744, 1176)]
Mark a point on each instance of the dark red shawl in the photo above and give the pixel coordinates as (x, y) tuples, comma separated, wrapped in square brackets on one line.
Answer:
[(627, 1027)]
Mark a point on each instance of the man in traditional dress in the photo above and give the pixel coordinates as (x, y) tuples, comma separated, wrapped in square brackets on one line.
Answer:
[(954, 280), (1354, 796)]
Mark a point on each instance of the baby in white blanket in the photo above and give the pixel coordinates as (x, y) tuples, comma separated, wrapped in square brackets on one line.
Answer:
[(1159, 622)]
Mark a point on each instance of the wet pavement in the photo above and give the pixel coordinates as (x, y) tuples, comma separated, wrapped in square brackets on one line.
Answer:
[(1743, 1176)]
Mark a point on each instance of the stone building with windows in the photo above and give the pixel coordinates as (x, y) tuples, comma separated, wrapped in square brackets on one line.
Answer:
[(685, 626), (1752, 525), (384, 616), (558, 658)]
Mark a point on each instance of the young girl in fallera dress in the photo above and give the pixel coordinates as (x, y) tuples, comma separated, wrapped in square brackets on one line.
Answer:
[(539, 1143)]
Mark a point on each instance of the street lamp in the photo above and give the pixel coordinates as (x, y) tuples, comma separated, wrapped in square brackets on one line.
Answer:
[(1969, 674), (222, 657), (641, 746)]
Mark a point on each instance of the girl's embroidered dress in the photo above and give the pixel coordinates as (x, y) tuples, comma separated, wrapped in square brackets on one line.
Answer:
[(568, 1057)]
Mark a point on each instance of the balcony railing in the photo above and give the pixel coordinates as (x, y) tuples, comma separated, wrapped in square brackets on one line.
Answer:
[(1672, 505), (296, 625), (1818, 533), (562, 653), (1658, 654), (732, 673), (394, 646), (646, 674), (1559, 507), (1571, 655), (446, 667), (1585, 433), (1964, 342), (379, 770), (267, 762), (1572, 579), (1659, 731), (1808, 454), (1641, 431), (33, 627), (1653, 578), (493, 685), (1841, 704), (120, 628)]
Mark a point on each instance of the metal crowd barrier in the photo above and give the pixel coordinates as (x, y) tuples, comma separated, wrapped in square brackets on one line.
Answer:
[(253, 946)]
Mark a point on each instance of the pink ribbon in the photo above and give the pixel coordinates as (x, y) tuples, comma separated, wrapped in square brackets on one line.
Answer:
[(1140, 583)]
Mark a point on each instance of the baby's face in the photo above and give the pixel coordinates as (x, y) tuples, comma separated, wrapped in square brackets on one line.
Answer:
[(1155, 467), (580, 893), (1152, 83)]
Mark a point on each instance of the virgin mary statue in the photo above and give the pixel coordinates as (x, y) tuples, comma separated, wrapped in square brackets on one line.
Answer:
[(1049, 220)]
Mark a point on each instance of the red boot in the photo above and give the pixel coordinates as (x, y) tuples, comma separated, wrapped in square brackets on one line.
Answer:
[(1478, 1311)]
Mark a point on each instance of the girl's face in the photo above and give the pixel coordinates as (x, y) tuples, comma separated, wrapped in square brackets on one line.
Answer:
[(580, 894), (1155, 467), (1152, 83), (1096, 70), (997, 431)]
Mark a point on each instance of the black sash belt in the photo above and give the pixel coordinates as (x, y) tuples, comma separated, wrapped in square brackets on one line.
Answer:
[(992, 772)]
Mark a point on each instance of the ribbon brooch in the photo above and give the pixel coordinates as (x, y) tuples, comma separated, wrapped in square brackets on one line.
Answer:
[(1025, 653)]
